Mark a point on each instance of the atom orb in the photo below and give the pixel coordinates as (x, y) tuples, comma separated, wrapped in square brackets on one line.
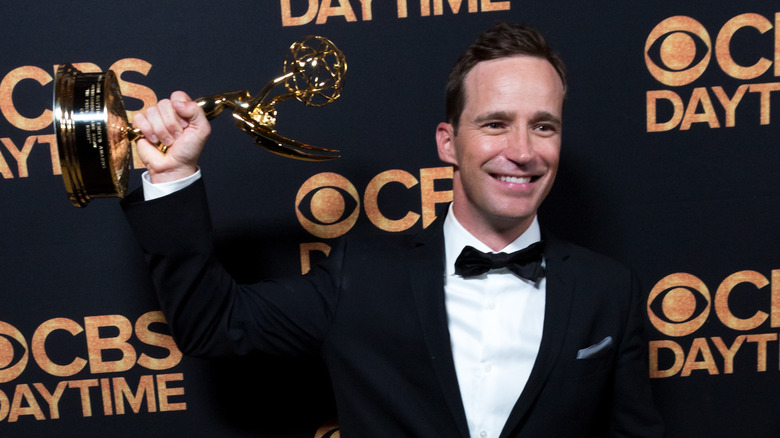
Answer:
[(317, 69)]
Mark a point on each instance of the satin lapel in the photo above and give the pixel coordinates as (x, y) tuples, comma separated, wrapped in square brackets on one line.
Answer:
[(427, 279), (558, 306)]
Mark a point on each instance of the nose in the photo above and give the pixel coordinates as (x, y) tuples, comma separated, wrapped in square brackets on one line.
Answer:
[(519, 146)]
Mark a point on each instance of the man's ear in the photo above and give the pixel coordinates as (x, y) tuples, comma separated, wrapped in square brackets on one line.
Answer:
[(445, 143)]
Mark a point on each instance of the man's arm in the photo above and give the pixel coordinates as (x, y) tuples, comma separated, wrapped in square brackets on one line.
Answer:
[(209, 314)]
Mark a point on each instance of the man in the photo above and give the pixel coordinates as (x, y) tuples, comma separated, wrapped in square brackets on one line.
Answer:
[(425, 344)]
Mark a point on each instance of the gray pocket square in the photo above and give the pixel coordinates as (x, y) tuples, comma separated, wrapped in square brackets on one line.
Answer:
[(596, 350)]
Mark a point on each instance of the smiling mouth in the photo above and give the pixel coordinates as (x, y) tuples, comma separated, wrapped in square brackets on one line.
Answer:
[(514, 179)]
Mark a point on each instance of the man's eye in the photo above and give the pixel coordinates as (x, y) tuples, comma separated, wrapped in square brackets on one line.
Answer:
[(545, 128), (494, 125)]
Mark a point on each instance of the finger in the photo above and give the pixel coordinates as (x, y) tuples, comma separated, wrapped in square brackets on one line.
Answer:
[(174, 124), (141, 122), (160, 118)]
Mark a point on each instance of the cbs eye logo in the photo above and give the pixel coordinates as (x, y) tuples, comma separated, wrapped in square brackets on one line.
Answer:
[(678, 51), (679, 304), (327, 205), (13, 352)]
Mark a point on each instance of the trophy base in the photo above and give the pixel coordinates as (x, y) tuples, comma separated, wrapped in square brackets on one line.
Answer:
[(91, 127)]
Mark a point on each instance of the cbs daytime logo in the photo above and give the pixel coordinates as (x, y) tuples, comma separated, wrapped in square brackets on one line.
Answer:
[(104, 365), (678, 52), (680, 304)]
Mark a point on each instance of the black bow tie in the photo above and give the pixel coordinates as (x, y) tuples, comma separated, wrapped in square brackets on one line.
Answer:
[(526, 263)]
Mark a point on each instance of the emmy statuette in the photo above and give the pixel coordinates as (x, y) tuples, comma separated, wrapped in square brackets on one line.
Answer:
[(94, 137)]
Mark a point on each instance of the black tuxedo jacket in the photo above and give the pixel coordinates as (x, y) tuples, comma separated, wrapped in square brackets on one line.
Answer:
[(374, 311)]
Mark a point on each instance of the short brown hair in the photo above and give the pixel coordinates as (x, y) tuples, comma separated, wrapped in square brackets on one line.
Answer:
[(501, 41)]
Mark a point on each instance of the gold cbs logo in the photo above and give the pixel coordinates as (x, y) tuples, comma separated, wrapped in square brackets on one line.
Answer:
[(328, 204), (15, 350), (680, 303), (679, 49)]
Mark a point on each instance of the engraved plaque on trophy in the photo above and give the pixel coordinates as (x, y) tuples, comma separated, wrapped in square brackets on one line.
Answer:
[(94, 138)]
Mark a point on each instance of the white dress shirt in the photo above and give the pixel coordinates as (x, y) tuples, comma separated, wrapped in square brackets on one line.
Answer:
[(495, 323)]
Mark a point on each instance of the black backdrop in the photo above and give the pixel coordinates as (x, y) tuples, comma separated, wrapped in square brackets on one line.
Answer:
[(685, 194)]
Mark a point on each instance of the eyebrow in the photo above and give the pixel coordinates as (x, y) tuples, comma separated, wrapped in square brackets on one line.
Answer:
[(544, 116), (539, 116), (494, 115)]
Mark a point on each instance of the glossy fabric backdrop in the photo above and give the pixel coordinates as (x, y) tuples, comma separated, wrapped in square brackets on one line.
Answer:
[(695, 206)]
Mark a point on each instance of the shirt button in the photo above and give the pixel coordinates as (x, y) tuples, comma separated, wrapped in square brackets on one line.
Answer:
[(483, 434), (491, 306), (488, 367)]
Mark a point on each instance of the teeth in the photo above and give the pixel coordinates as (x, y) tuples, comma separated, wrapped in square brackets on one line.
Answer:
[(514, 179)]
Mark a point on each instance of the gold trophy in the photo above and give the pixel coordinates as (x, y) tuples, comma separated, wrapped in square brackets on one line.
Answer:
[(94, 137)]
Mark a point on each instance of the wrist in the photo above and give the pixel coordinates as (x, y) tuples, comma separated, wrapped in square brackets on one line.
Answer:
[(171, 175)]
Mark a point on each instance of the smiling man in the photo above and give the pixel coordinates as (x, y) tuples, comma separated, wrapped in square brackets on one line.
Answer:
[(482, 325)]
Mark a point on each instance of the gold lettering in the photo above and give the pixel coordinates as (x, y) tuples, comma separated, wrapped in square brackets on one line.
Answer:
[(344, 9), (149, 337), (765, 90), (761, 341), (677, 115), (722, 300), (306, 249), (699, 345), (39, 347), (20, 155), (164, 392), (83, 386), (723, 49), (495, 5), (96, 345), (24, 393), (51, 140), (5, 406), (730, 104), (775, 312), (105, 391), (699, 95), (777, 44), (4, 169), (7, 85), (366, 10), (371, 205), (679, 358), (136, 91), (728, 353), (403, 10), (289, 20), (52, 399), (145, 391), (431, 197), (425, 8)]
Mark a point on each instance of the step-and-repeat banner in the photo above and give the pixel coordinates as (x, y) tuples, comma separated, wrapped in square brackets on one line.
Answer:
[(669, 163)]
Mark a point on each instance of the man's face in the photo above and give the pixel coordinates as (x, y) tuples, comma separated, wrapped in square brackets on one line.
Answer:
[(508, 143)]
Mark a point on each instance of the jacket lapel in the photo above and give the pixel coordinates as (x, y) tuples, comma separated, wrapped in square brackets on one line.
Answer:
[(427, 257), (558, 304)]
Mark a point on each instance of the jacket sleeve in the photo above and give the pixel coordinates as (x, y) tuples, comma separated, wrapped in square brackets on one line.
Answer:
[(208, 313), (633, 410)]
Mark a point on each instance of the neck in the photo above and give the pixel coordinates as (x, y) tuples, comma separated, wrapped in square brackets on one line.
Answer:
[(496, 234)]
